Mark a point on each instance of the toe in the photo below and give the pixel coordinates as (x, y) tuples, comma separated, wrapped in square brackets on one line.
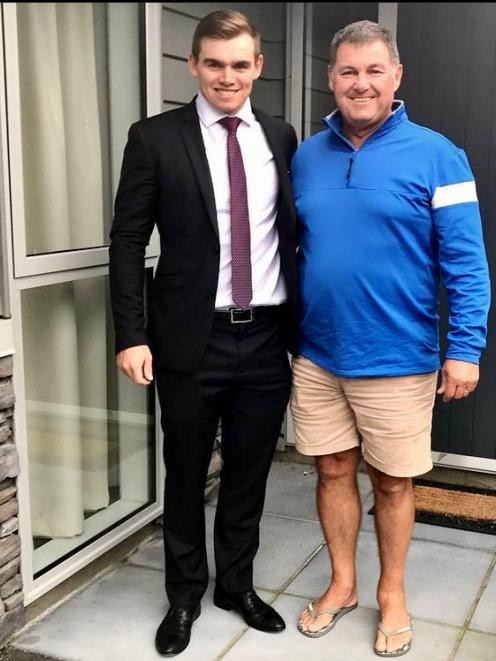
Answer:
[(319, 622), (304, 619), (380, 642), (392, 643)]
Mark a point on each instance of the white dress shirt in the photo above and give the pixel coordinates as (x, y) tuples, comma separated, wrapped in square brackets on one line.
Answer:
[(263, 189)]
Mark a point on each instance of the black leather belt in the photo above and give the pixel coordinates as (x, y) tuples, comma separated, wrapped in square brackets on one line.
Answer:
[(245, 316)]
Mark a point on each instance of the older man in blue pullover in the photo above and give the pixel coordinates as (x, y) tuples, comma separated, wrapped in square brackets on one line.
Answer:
[(388, 210)]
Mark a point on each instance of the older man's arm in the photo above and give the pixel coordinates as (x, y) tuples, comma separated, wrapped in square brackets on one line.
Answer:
[(464, 274)]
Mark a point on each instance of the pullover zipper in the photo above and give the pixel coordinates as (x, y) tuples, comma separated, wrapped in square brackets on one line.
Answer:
[(350, 169)]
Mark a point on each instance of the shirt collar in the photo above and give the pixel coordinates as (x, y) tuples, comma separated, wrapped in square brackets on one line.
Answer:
[(209, 115)]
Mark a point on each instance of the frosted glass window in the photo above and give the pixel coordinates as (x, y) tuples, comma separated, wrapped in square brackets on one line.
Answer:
[(79, 77)]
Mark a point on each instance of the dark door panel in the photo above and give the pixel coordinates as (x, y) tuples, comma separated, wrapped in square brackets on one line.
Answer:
[(449, 54)]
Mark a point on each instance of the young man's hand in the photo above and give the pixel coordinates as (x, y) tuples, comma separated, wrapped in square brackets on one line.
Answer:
[(136, 363)]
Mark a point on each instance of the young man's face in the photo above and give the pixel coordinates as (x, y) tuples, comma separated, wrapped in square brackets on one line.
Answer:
[(364, 80), (226, 69)]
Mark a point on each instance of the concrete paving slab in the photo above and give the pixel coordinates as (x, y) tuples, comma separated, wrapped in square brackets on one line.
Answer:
[(116, 618), (364, 486), (441, 587), (352, 639), (284, 546), (315, 578), (442, 582), (477, 647), (291, 490), (484, 618), (149, 554)]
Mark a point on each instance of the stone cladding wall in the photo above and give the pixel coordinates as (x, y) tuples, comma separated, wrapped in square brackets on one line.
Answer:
[(11, 596)]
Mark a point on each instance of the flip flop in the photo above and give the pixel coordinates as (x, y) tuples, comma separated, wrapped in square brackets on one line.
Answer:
[(404, 649), (336, 614)]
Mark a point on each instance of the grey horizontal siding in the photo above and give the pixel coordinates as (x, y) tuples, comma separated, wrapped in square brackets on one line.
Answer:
[(327, 18), (179, 20)]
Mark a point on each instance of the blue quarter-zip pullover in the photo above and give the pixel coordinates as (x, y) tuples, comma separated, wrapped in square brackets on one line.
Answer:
[(381, 226)]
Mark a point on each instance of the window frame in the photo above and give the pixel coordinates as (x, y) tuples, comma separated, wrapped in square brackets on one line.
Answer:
[(28, 265), (26, 272)]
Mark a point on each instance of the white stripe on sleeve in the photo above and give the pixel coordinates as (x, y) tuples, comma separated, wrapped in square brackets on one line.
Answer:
[(445, 196)]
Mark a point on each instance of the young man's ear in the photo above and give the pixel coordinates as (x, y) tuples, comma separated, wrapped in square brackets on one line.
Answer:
[(192, 65), (259, 62)]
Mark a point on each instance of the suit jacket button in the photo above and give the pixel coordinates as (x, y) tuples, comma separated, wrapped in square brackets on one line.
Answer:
[(211, 293), (216, 250)]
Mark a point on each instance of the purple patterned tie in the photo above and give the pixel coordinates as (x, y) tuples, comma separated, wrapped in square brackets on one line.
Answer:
[(240, 221)]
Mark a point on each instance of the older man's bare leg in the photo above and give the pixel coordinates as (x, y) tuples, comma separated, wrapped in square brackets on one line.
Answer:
[(338, 503), (394, 518)]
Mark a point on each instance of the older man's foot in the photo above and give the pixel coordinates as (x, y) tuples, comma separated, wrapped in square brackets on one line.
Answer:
[(394, 634), (320, 616)]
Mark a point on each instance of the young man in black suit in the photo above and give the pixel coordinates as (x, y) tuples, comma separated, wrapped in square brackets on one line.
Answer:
[(221, 311)]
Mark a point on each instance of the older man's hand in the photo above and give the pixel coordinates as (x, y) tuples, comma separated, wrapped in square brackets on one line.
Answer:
[(458, 379)]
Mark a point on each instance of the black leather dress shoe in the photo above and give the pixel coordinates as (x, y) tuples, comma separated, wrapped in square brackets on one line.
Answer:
[(174, 631), (255, 612)]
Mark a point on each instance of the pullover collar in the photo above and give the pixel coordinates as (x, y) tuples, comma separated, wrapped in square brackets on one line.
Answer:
[(335, 123)]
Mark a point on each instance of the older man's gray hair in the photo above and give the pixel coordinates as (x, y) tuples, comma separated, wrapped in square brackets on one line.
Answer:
[(364, 32)]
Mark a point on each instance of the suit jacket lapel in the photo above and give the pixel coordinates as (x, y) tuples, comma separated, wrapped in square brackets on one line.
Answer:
[(193, 140), (280, 161)]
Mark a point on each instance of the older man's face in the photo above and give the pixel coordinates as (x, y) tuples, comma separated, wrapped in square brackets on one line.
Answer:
[(364, 80)]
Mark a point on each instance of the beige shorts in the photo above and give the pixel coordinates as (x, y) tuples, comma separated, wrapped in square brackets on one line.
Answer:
[(391, 417)]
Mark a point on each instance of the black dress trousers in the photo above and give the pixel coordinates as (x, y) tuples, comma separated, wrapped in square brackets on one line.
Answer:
[(244, 380)]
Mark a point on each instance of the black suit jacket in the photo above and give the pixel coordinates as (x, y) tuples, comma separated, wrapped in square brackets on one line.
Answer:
[(165, 179)]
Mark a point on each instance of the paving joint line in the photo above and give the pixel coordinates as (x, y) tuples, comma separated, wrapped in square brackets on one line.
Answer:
[(79, 589), (483, 633), (298, 571), (454, 545), (276, 594), (231, 644), (138, 565), (442, 542), (472, 609), (376, 608), (291, 518)]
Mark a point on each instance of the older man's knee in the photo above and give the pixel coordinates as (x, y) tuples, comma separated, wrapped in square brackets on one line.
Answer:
[(390, 485), (340, 465)]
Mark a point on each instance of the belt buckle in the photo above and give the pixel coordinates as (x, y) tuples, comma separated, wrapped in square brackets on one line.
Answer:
[(240, 316)]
